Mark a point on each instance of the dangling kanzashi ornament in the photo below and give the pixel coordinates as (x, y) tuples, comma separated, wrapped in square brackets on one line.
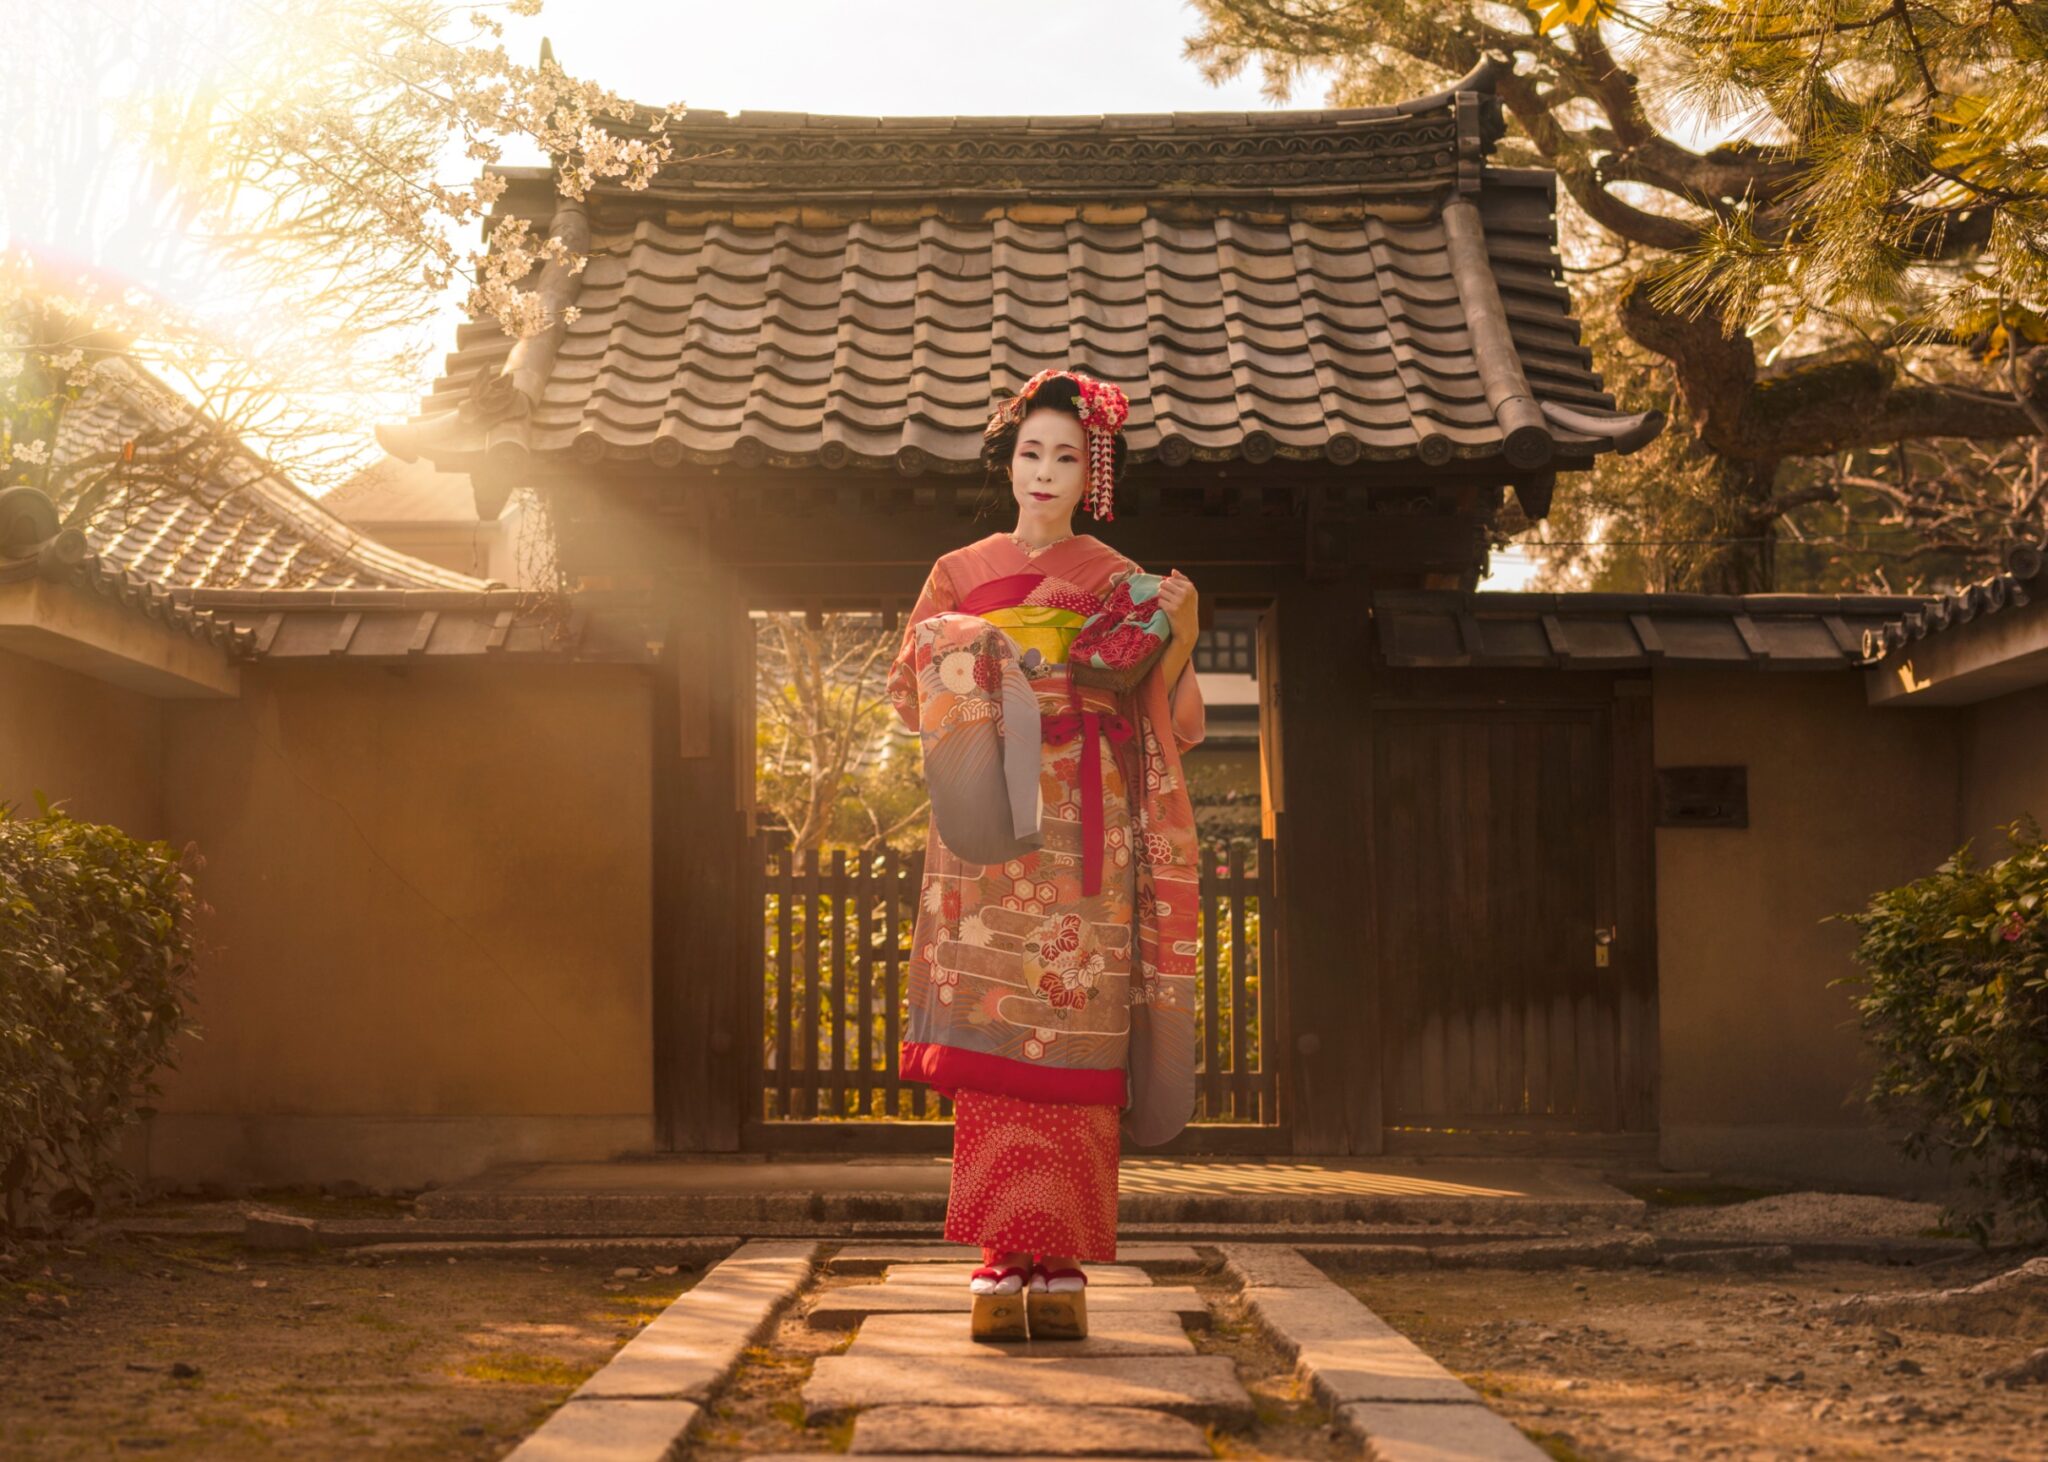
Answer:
[(1104, 409)]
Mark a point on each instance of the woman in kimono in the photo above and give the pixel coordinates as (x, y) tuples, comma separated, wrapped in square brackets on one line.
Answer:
[(1051, 979)]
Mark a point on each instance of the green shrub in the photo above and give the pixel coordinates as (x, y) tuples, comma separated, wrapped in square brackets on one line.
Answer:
[(95, 960), (1955, 999)]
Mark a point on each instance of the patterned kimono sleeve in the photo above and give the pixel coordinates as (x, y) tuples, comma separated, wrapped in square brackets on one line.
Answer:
[(1162, 1041), (1190, 715), (935, 598)]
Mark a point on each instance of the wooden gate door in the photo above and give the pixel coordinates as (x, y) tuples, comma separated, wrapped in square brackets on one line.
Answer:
[(1515, 964)]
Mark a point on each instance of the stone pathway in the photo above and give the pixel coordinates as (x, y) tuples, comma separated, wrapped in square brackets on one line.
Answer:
[(918, 1385), (641, 1405), (913, 1384)]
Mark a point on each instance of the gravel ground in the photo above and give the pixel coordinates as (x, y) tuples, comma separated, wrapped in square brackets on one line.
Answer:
[(1808, 1216), (197, 1348), (1651, 1366)]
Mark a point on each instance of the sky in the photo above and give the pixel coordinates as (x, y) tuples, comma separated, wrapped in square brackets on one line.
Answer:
[(908, 58)]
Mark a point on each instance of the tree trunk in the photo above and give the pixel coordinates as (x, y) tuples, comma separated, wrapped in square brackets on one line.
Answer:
[(1744, 561)]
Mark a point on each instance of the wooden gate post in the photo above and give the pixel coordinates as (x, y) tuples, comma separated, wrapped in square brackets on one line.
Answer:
[(1323, 839), (701, 877)]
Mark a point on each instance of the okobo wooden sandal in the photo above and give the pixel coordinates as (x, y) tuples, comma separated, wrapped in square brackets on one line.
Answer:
[(999, 1312), (1057, 1314)]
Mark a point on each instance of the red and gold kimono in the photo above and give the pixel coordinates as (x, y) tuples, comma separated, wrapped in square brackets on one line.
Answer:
[(1052, 994)]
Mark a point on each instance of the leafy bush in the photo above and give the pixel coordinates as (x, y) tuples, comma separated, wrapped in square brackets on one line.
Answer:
[(1955, 999), (95, 958)]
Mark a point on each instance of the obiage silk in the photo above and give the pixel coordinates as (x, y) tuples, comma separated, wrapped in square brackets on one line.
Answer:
[(1064, 973)]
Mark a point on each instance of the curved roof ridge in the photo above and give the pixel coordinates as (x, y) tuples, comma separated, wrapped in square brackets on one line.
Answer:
[(33, 545), (2024, 579)]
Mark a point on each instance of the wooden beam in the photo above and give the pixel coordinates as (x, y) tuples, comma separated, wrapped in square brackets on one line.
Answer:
[(917, 538), (830, 1137), (1634, 952), (865, 587), (701, 874)]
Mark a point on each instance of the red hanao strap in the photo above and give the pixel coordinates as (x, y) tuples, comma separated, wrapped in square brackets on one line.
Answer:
[(1092, 726)]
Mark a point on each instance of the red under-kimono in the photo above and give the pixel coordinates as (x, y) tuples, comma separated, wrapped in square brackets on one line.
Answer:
[(1054, 990)]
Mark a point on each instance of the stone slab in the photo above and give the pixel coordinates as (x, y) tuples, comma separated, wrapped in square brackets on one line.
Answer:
[(1270, 1266), (1100, 1276), (1396, 1432), (996, 1431), (876, 1258), (1867, 1249), (1367, 1258), (1199, 1387), (1132, 1332), (844, 1306), (266, 1228), (1346, 1352), (1602, 1253), (693, 1252), (1745, 1259), (610, 1431), (694, 1344)]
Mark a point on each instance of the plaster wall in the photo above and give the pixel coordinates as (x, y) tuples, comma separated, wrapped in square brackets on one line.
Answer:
[(1763, 1068), (2005, 759), (428, 951), (95, 747)]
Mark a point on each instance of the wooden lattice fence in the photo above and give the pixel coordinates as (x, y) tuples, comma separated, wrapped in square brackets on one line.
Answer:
[(831, 969)]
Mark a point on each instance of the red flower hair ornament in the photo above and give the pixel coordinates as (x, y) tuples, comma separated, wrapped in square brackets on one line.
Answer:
[(1104, 409)]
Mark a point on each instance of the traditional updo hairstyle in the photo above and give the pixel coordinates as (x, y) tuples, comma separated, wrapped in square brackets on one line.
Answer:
[(999, 440)]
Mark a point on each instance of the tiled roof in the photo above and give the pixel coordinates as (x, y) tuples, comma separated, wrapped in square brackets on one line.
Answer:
[(389, 491), (391, 626), (1628, 631), (2024, 581), (1336, 286), (384, 626), (33, 546), (238, 523)]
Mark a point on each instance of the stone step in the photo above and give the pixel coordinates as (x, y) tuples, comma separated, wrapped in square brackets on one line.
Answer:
[(1003, 1431), (835, 1196), (875, 1258), (1131, 1332), (1099, 1275), (1181, 1215), (1199, 1387), (844, 1306), (593, 1216)]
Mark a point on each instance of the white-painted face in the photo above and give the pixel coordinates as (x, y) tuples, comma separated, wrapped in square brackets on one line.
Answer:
[(1049, 468)]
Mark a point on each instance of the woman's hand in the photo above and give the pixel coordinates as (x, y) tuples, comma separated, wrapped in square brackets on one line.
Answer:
[(1177, 596)]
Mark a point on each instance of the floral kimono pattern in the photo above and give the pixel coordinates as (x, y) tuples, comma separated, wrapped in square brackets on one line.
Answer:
[(1065, 972)]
